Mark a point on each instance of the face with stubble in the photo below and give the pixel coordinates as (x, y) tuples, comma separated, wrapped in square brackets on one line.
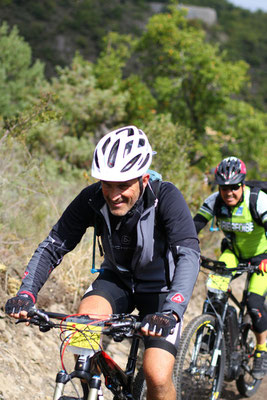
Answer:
[(122, 196)]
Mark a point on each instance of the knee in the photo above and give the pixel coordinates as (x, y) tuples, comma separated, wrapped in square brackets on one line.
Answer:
[(159, 381), (158, 367), (255, 305), (158, 387), (156, 378)]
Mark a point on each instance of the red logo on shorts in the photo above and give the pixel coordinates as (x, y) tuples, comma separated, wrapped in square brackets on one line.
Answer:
[(177, 298)]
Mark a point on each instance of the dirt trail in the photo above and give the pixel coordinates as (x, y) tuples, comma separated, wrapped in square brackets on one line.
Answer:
[(29, 359)]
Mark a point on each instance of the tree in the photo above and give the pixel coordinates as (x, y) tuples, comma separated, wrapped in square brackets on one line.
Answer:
[(189, 77), (244, 135), (20, 80)]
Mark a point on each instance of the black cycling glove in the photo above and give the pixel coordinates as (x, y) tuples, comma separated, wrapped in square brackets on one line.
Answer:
[(160, 323), (22, 302)]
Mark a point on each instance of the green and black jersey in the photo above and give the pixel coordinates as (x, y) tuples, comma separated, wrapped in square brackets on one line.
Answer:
[(248, 239)]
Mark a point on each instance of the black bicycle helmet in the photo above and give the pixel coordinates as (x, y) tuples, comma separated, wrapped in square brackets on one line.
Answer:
[(230, 171)]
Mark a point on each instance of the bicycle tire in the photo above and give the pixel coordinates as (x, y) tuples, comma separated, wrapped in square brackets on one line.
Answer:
[(191, 377), (139, 385), (246, 384)]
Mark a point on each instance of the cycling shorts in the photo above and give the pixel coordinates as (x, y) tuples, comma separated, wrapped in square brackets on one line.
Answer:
[(122, 300)]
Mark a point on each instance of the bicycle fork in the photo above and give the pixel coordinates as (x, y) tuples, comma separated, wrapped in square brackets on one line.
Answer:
[(216, 353), (219, 337), (91, 383)]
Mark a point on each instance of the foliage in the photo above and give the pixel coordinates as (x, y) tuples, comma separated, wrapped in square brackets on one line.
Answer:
[(245, 135), (242, 34), (141, 105), (190, 78), (20, 81), (56, 29), (116, 51), (178, 74)]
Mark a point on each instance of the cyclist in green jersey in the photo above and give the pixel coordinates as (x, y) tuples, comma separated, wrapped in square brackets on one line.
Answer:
[(244, 240)]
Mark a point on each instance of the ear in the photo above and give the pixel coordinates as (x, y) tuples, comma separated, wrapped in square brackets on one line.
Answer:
[(145, 179)]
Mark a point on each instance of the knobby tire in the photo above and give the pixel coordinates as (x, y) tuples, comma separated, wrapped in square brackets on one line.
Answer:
[(139, 386), (193, 361), (246, 384)]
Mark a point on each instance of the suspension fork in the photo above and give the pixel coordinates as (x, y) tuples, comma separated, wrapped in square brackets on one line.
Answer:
[(217, 352), (87, 371)]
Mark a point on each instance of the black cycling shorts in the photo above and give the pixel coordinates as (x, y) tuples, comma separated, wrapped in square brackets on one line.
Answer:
[(122, 300)]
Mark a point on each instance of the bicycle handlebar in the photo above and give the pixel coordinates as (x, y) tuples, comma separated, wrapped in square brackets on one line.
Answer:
[(220, 266), (115, 325)]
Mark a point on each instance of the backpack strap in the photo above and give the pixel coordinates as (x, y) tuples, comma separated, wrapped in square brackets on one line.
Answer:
[(254, 193), (216, 210), (96, 238), (156, 187)]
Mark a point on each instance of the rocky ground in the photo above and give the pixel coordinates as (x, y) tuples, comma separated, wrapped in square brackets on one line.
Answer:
[(29, 359)]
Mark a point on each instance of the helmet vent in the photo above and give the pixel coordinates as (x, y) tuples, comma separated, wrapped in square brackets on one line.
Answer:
[(96, 160), (144, 162), (141, 143), (113, 154), (128, 148), (130, 132), (105, 145), (130, 163)]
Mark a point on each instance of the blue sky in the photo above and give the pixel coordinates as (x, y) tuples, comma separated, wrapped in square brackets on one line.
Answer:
[(252, 5)]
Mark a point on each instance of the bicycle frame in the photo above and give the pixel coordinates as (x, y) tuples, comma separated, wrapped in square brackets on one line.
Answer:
[(89, 368), (218, 345), (83, 335), (218, 305)]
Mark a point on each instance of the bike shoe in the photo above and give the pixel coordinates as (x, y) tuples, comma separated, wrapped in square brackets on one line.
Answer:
[(259, 364)]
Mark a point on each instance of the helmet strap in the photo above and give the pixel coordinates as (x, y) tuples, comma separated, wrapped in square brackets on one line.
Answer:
[(141, 186)]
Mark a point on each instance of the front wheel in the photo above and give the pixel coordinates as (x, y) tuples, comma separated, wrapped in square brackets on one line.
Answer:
[(246, 384), (195, 377), (139, 386)]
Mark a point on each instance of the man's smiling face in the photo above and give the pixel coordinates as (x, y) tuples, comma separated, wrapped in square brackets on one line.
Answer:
[(122, 196), (231, 194)]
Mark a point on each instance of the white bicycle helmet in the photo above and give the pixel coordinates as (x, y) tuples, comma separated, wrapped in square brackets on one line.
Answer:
[(122, 155)]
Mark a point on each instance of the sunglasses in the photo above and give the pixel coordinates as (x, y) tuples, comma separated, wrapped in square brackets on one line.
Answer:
[(233, 188)]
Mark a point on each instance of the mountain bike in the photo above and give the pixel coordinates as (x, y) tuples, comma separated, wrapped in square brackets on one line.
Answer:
[(83, 336), (220, 343)]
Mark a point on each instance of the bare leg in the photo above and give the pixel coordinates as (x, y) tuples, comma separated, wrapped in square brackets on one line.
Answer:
[(261, 337), (158, 368), (95, 305)]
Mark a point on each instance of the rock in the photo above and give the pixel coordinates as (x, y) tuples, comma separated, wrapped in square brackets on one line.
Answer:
[(206, 14)]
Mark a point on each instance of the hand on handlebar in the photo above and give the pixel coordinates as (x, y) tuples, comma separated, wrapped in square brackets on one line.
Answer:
[(19, 306), (263, 266), (158, 324)]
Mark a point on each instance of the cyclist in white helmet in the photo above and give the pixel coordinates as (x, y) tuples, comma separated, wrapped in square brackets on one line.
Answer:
[(151, 251)]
